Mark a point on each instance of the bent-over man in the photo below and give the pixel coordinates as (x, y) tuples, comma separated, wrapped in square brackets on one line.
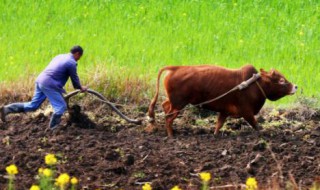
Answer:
[(50, 84)]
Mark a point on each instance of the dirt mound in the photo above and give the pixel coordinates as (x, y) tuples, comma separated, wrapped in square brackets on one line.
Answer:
[(105, 152)]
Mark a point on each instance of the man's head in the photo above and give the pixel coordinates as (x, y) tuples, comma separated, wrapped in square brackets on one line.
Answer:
[(77, 52)]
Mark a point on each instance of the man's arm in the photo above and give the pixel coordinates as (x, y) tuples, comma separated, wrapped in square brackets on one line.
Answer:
[(74, 76)]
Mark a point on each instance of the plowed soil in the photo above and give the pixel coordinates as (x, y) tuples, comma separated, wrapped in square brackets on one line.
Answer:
[(107, 153)]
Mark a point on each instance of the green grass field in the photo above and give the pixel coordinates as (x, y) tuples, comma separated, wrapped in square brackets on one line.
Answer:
[(126, 42)]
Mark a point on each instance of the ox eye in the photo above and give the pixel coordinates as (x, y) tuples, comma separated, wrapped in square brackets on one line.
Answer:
[(282, 81)]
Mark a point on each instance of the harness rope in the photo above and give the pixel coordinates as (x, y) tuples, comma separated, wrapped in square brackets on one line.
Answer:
[(264, 94), (241, 86)]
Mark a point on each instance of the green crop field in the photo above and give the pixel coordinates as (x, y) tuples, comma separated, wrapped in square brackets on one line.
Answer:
[(126, 42)]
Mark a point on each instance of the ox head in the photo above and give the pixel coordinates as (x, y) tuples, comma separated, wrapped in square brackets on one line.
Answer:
[(276, 85)]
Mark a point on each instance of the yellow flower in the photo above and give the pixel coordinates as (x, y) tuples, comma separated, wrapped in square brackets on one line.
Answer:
[(146, 186), (50, 159), (34, 187), (251, 184), (40, 170), (47, 172), (205, 176), (62, 180), (176, 188), (74, 180), (12, 169)]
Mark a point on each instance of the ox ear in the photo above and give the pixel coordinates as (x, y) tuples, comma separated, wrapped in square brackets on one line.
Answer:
[(272, 71), (263, 72)]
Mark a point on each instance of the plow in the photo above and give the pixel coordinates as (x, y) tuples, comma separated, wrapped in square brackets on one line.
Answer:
[(101, 98)]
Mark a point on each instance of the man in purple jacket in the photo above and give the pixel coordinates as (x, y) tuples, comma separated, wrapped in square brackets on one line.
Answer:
[(49, 84)]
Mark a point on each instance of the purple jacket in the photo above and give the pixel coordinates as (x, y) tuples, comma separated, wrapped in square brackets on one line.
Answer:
[(58, 71)]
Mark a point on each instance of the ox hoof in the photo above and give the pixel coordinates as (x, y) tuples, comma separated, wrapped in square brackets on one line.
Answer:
[(150, 128), (170, 136)]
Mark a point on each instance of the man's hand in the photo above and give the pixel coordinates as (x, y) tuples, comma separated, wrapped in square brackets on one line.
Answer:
[(84, 88)]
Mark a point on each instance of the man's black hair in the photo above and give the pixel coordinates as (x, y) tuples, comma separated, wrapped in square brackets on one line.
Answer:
[(76, 49)]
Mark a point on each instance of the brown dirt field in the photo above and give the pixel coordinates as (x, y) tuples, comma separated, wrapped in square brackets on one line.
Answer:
[(105, 152)]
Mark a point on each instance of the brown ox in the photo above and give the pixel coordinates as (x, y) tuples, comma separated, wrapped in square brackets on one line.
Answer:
[(196, 84)]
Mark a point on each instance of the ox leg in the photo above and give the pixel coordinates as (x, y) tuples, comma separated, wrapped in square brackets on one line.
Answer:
[(152, 125), (166, 105), (253, 122), (171, 114), (221, 119), (169, 121)]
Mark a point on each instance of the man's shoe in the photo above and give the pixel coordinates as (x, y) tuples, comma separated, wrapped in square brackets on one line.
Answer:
[(54, 129), (3, 114), (12, 108)]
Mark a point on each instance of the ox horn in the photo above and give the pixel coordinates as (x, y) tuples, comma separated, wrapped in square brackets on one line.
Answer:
[(103, 99)]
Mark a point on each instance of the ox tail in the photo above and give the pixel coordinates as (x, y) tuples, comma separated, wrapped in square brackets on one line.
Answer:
[(155, 98)]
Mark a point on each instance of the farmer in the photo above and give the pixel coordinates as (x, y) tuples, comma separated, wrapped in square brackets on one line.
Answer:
[(49, 84)]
